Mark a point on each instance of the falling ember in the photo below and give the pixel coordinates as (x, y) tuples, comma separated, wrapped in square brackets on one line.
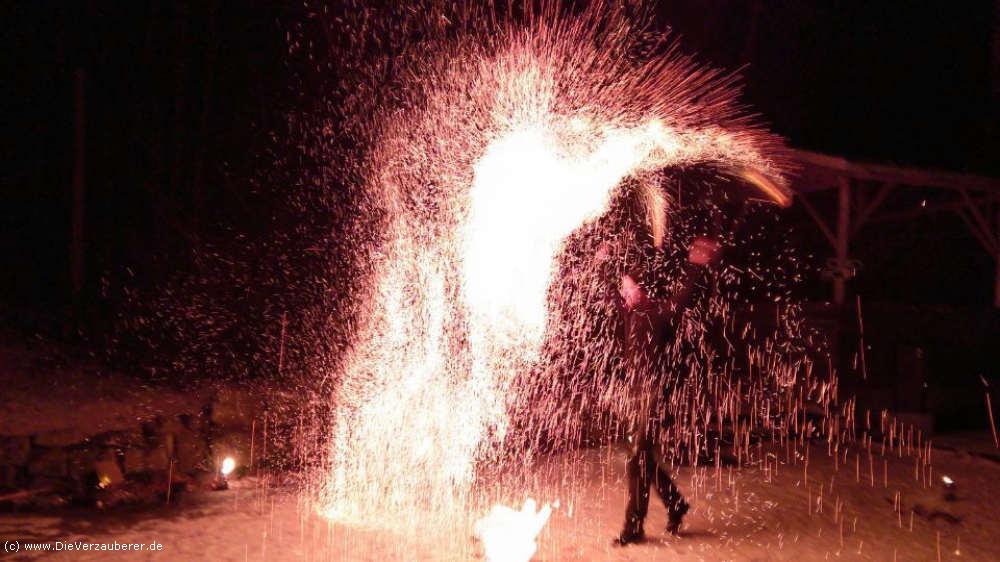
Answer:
[(508, 139)]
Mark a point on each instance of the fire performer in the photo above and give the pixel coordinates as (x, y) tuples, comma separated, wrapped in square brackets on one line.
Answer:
[(648, 324)]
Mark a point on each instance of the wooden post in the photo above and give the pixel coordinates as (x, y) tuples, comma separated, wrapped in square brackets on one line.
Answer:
[(995, 123), (996, 289), (996, 257), (843, 238), (76, 244)]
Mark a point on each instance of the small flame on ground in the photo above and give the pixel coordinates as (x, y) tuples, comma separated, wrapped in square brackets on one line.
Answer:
[(509, 535), (228, 466)]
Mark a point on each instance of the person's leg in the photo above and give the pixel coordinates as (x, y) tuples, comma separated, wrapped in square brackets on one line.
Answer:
[(672, 500), (671, 496), (639, 469)]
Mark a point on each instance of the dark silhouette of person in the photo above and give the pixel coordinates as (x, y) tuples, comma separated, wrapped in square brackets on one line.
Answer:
[(649, 324)]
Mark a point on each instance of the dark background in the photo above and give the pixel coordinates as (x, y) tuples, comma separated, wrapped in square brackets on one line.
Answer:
[(180, 99), (183, 103)]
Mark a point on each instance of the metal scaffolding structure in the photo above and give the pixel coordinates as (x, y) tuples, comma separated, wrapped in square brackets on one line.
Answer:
[(865, 195)]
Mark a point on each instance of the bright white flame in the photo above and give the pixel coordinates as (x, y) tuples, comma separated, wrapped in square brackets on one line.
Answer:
[(947, 480), (508, 535), (228, 466), (530, 192)]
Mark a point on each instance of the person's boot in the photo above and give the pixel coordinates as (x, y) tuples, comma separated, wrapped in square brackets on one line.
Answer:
[(676, 516), (631, 534)]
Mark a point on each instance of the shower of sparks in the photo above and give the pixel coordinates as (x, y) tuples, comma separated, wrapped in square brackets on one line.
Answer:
[(497, 162)]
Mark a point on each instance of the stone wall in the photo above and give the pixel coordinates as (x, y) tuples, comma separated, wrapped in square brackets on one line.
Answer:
[(142, 462)]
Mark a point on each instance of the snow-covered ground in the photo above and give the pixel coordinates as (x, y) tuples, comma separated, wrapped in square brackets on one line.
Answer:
[(823, 513)]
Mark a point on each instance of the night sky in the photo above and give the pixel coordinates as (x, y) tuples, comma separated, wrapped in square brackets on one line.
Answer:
[(182, 100)]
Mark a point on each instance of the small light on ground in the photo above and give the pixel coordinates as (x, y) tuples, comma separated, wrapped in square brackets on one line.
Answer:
[(228, 465)]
